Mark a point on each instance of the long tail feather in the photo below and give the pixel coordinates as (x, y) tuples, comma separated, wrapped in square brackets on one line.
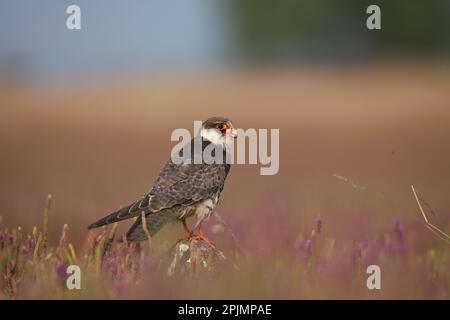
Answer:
[(155, 221), (119, 215)]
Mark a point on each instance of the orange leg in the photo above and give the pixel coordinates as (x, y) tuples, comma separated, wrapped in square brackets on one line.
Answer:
[(188, 232), (201, 236)]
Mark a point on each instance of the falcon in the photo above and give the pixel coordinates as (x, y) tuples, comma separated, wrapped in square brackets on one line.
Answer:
[(189, 189)]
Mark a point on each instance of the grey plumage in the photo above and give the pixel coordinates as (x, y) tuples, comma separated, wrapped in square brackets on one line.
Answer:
[(179, 191)]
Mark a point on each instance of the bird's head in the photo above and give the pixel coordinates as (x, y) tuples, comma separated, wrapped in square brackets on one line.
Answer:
[(218, 130)]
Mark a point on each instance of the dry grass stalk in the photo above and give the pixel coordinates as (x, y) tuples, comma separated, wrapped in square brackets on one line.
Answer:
[(438, 232), (45, 228), (144, 226)]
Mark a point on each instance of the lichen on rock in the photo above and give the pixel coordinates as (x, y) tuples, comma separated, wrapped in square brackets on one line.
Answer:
[(188, 257)]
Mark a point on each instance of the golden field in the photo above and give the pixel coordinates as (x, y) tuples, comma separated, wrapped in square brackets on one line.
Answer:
[(98, 145)]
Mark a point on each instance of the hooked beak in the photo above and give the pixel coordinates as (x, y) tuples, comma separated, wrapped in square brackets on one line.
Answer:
[(231, 132)]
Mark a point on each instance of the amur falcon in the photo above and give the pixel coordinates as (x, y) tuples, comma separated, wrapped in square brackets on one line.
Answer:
[(182, 190)]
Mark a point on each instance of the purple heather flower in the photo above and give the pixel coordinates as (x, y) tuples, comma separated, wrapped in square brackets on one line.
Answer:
[(308, 245), (30, 243), (365, 244), (390, 246), (319, 222), (308, 248), (363, 250), (61, 269), (399, 227), (111, 266), (11, 239)]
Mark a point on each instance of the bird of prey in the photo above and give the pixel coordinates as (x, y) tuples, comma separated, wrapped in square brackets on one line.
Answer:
[(180, 191)]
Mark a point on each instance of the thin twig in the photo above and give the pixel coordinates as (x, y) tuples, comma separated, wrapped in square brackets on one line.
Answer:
[(45, 227), (438, 232), (144, 226)]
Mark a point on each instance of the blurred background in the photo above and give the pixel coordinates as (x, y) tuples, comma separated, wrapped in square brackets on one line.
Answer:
[(151, 37), (86, 115)]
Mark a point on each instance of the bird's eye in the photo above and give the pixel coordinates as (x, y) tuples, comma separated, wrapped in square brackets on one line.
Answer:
[(220, 126)]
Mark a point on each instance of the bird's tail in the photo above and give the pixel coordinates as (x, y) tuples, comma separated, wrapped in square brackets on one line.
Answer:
[(155, 221), (119, 215)]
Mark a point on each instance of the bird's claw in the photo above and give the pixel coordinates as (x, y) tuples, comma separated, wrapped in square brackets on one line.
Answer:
[(201, 237), (189, 235)]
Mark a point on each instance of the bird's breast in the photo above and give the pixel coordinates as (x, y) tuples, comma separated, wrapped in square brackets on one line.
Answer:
[(205, 208)]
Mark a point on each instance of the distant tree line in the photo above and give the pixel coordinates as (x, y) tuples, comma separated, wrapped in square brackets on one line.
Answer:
[(293, 29)]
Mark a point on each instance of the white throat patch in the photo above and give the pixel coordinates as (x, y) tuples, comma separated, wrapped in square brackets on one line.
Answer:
[(213, 135)]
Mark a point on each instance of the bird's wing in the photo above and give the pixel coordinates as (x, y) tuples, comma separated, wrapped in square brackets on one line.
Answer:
[(176, 185), (186, 184)]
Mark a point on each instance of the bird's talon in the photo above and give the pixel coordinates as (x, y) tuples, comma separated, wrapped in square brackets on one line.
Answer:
[(201, 237)]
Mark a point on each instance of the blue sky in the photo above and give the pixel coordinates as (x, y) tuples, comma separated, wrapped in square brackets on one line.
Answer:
[(115, 34)]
